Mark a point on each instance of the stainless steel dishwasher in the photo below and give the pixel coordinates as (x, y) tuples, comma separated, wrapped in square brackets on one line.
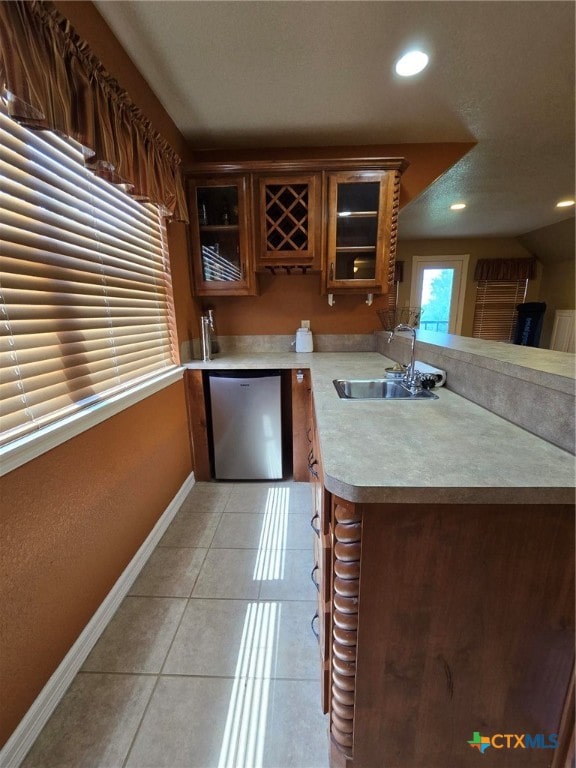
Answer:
[(246, 409)]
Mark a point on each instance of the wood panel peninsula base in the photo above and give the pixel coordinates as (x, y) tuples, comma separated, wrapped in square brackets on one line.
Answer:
[(447, 621)]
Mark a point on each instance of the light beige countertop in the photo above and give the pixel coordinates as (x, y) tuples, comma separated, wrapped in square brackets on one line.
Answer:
[(541, 366), (448, 450)]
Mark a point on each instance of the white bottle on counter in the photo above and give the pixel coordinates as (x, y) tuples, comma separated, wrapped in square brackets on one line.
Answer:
[(304, 341)]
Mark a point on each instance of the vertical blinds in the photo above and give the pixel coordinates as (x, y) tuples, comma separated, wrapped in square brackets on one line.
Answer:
[(85, 293), (495, 309)]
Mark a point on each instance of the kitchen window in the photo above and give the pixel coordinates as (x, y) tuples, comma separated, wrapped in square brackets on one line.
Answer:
[(86, 298)]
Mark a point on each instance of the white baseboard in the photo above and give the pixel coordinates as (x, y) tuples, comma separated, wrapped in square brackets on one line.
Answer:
[(19, 743)]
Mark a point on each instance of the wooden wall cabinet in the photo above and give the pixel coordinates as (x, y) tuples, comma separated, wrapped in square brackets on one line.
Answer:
[(361, 231), (221, 242), (334, 214)]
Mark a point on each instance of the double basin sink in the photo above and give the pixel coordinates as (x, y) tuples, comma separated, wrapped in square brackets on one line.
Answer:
[(379, 389)]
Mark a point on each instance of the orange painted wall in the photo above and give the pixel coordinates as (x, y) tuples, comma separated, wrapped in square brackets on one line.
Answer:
[(284, 301), (72, 520)]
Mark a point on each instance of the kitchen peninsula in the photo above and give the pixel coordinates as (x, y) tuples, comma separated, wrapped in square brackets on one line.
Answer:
[(444, 560)]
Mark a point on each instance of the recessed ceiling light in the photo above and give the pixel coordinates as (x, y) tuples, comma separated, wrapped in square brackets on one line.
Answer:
[(564, 203), (457, 206), (411, 63)]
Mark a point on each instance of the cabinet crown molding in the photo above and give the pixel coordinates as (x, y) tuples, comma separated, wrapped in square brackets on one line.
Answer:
[(293, 160)]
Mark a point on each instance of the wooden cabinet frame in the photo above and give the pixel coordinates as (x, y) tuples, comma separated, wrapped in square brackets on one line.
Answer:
[(245, 285)]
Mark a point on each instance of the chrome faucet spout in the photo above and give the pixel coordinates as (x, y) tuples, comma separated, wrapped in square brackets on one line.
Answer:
[(412, 378)]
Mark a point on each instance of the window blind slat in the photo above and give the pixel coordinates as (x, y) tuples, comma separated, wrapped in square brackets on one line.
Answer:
[(61, 247), (29, 176), (61, 163), (76, 324), (49, 395), (27, 300), (24, 284), (14, 426), (96, 375), (85, 302), (61, 313), (29, 345), (76, 375), (17, 271), (79, 223), (99, 360)]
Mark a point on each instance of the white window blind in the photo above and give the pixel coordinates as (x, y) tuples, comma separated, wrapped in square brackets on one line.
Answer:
[(495, 309), (86, 309)]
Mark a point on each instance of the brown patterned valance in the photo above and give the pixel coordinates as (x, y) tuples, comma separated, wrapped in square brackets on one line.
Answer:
[(50, 79), (505, 269)]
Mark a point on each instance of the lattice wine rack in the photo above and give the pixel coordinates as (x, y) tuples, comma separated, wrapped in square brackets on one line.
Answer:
[(288, 211)]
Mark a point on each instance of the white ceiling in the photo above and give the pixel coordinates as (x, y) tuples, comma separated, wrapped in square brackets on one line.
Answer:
[(314, 72)]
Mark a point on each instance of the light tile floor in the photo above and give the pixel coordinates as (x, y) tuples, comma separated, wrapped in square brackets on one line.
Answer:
[(210, 661)]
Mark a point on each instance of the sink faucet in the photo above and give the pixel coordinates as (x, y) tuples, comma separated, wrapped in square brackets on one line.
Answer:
[(207, 322), (412, 377)]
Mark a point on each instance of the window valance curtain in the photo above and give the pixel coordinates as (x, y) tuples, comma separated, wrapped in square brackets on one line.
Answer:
[(50, 79), (505, 269)]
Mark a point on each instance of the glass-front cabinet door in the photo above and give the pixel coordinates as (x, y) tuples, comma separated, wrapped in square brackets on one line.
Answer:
[(358, 247), (221, 253)]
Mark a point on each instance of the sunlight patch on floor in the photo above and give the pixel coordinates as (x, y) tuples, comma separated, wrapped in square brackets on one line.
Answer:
[(271, 557), (245, 729)]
